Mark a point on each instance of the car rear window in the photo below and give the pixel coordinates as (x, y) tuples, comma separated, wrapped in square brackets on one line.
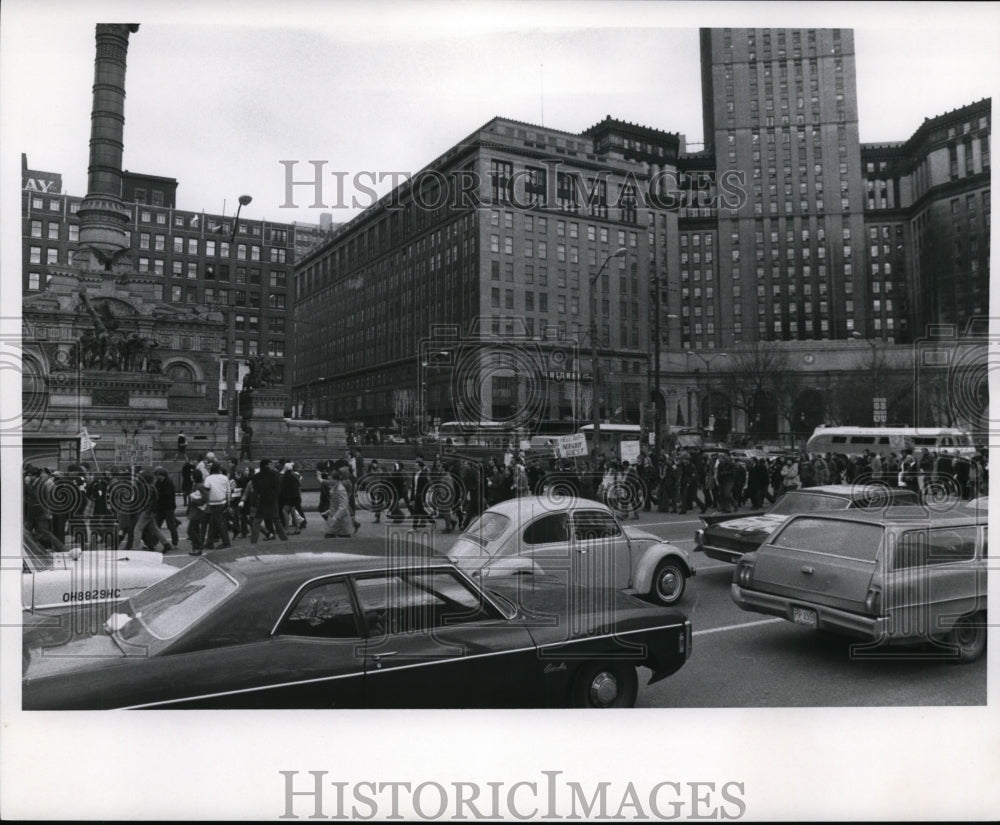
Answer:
[(853, 540), (793, 503), (168, 608)]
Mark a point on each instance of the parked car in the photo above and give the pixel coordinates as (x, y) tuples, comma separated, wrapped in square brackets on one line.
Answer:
[(898, 577), (574, 539), (57, 582), (726, 537), (266, 628)]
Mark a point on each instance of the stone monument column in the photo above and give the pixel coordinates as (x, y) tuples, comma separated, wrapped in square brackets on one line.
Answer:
[(103, 216)]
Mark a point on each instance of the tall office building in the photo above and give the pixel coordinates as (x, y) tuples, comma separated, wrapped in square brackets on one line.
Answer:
[(780, 109), (467, 292)]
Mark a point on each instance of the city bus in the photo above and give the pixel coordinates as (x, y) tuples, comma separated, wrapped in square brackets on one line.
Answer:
[(855, 440), (493, 434), (612, 438)]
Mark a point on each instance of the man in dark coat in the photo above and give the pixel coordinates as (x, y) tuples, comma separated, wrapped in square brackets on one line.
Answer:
[(187, 478), (418, 488), (757, 481), (166, 503), (262, 498)]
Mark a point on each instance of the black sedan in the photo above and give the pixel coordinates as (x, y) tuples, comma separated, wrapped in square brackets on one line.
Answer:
[(728, 536), (259, 629)]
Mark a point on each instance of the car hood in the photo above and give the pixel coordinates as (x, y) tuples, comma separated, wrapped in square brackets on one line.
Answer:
[(763, 524)]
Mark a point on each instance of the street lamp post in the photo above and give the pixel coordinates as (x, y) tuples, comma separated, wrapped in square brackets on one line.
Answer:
[(707, 361), (231, 346), (595, 364), (425, 384)]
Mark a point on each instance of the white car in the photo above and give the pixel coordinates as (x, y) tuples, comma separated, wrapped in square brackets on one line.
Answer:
[(576, 539), (56, 582)]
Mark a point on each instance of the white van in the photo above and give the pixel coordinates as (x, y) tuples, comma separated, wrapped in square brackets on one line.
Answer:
[(855, 440)]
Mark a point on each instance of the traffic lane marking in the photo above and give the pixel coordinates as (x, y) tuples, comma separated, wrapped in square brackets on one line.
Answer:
[(739, 626)]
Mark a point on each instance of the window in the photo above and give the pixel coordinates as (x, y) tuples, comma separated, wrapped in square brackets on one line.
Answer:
[(547, 530), (414, 602), (51, 256), (35, 254), (918, 548), (590, 525), (501, 173), (34, 281)]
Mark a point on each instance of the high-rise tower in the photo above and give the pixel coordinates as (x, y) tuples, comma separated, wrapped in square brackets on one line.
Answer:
[(780, 107)]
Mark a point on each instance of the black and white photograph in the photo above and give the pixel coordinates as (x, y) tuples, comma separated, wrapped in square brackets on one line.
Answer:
[(497, 411)]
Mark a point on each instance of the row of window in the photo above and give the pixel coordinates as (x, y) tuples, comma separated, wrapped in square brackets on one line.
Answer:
[(52, 230), (274, 235)]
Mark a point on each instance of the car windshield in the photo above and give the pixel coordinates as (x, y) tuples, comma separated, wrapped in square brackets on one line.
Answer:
[(795, 502), (166, 609)]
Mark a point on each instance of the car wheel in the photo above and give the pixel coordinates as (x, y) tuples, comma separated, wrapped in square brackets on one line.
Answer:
[(669, 582), (969, 636), (605, 685)]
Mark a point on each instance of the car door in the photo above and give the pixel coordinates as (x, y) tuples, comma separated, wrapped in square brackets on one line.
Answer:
[(434, 641), (601, 554), (936, 576), (312, 659)]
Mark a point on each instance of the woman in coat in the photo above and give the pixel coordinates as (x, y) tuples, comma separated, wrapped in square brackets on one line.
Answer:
[(340, 522)]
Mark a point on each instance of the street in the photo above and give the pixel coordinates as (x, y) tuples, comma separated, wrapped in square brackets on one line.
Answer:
[(741, 659)]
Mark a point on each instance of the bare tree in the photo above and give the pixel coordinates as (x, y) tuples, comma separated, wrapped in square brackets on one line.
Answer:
[(760, 370)]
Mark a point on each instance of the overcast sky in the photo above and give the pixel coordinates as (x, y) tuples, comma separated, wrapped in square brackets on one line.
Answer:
[(218, 94)]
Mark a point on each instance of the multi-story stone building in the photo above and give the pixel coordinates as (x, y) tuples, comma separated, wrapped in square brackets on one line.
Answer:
[(927, 216), (780, 109), (192, 258), (783, 228), (466, 293)]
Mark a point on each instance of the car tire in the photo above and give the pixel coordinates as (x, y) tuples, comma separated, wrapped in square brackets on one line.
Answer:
[(605, 685), (669, 581), (969, 637)]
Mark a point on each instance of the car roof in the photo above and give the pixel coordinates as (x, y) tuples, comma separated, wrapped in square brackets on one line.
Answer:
[(527, 507), (902, 517), (360, 555)]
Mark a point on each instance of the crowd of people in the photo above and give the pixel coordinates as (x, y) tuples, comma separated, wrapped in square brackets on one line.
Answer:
[(225, 501)]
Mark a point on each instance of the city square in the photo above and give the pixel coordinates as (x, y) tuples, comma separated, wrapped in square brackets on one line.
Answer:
[(603, 376)]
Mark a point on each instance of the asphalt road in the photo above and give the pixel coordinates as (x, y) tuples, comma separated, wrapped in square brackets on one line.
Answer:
[(739, 659)]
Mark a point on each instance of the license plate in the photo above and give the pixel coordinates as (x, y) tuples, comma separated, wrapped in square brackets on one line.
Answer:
[(802, 616)]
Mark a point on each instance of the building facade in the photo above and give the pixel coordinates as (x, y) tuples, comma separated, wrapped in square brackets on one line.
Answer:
[(780, 109), (468, 292), (927, 216), (191, 258)]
